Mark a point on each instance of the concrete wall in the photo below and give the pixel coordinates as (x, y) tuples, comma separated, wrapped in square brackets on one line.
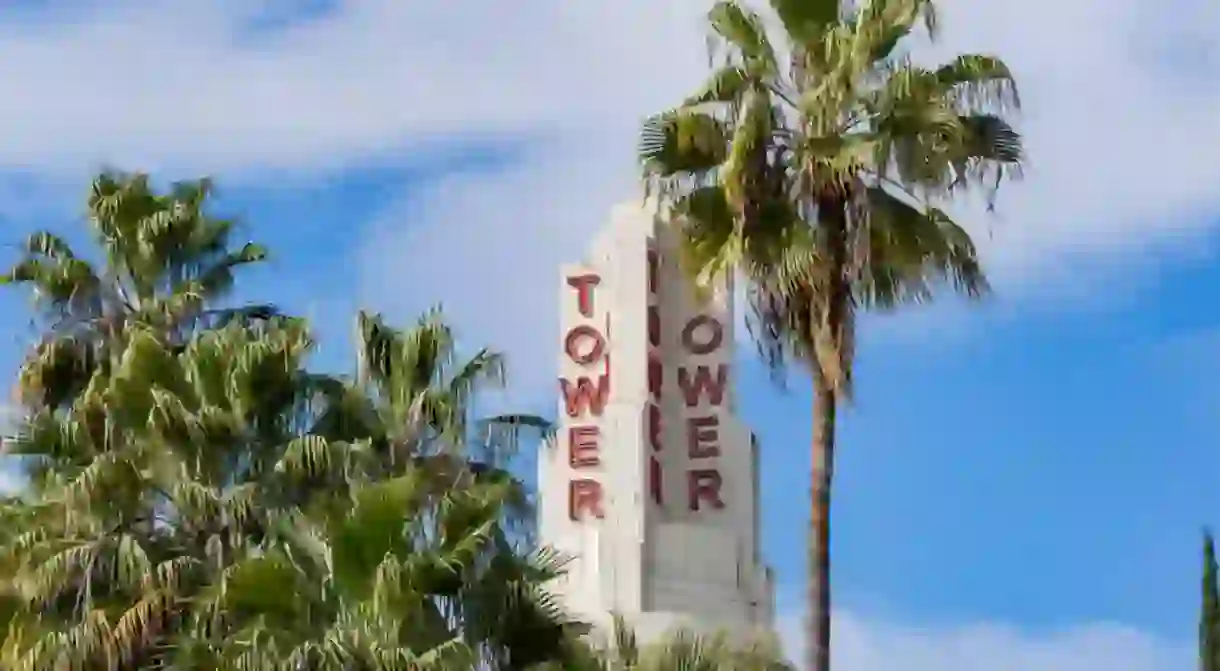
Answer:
[(659, 563)]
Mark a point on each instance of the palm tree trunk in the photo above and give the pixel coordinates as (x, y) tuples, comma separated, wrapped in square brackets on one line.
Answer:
[(830, 378), (823, 450)]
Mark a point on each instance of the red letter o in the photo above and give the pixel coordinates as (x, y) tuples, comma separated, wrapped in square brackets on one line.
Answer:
[(712, 344), (571, 344)]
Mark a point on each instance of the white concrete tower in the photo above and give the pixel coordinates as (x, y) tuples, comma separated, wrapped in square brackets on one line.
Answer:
[(652, 483)]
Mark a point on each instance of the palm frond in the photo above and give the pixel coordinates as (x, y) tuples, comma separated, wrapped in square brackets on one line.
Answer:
[(682, 142), (743, 31)]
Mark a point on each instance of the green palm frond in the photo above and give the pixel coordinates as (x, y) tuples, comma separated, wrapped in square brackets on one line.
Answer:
[(991, 138), (166, 263), (805, 20), (743, 32), (498, 439), (979, 82), (854, 115), (913, 249), (724, 86), (879, 26), (682, 142)]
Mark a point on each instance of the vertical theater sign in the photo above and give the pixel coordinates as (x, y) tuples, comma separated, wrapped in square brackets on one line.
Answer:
[(651, 485), (584, 399)]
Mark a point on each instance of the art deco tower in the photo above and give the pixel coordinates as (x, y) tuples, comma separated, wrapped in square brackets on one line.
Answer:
[(652, 482)]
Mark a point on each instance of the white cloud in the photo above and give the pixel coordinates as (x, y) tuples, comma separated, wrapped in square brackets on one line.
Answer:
[(489, 246), (1120, 99), (186, 82), (1120, 109), (1109, 106), (1111, 102), (872, 644)]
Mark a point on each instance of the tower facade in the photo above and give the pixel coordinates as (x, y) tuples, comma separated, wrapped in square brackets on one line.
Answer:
[(651, 486)]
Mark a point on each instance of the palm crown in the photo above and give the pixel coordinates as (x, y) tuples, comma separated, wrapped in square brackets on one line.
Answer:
[(167, 262), (755, 162)]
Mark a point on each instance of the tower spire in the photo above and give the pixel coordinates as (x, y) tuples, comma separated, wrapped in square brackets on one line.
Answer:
[(651, 485)]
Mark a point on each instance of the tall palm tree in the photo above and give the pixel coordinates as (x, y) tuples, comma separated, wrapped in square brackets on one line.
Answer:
[(823, 183), (166, 261)]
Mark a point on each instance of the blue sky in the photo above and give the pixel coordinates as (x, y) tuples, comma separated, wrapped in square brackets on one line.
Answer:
[(1043, 471), (1020, 486)]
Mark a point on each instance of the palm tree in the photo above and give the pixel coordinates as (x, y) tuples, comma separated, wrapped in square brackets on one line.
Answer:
[(145, 490), (678, 650), (410, 403), (388, 578), (173, 442), (823, 184), (408, 413), (166, 262), (188, 466)]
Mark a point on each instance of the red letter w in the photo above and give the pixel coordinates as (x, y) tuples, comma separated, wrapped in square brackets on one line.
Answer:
[(703, 382), (584, 395)]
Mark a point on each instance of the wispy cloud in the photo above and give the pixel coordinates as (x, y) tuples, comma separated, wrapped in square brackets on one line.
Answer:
[(489, 246), (863, 643), (1087, 220), (1111, 87), (1111, 93), (94, 84)]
